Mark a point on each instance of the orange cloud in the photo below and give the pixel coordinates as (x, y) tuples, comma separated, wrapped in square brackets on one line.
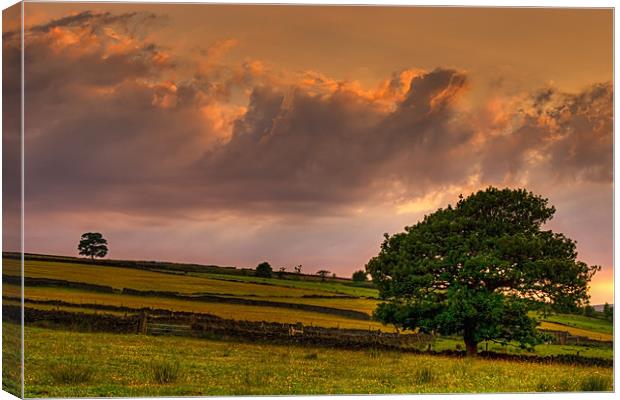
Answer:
[(220, 119), (218, 49)]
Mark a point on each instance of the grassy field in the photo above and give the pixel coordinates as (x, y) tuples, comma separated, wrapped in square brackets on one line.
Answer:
[(11, 359), (329, 285), (334, 294), (73, 295), (592, 334), (451, 343), (284, 316), (229, 311), (70, 364), (583, 322), (148, 280)]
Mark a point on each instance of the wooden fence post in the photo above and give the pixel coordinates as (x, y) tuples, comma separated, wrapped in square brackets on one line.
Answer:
[(143, 323)]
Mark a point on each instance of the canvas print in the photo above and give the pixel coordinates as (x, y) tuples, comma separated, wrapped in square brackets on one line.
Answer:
[(205, 199)]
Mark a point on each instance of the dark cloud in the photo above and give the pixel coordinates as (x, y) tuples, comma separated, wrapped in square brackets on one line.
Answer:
[(310, 153), (135, 24), (569, 135), (584, 149), (11, 132), (112, 126)]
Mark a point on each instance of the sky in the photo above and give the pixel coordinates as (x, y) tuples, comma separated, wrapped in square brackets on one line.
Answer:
[(231, 135)]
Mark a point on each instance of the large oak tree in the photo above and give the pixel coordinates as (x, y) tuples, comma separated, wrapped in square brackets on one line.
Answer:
[(476, 269)]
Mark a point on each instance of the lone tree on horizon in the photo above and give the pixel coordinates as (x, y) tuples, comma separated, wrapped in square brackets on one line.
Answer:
[(92, 244), (476, 269), (323, 274)]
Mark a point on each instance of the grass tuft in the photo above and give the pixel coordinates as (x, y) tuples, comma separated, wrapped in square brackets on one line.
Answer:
[(563, 386), (165, 372), (423, 376), (312, 356), (373, 352), (595, 383), (71, 372)]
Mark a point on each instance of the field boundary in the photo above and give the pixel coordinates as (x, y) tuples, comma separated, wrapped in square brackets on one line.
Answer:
[(155, 266), (175, 268), (565, 338), (200, 297), (204, 326)]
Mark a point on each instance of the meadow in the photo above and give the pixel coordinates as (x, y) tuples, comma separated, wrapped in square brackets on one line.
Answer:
[(233, 311), (583, 322), (95, 363), (149, 280)]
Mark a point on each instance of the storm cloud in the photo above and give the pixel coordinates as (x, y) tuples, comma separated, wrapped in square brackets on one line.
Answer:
[(108, 128), (111, 125)]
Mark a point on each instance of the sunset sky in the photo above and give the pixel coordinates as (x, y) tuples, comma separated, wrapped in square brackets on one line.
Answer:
[(299, 135)]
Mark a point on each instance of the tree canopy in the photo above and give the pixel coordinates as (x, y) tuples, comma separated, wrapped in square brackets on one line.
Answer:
[(92, 244), (323, 274), (359, 276), (608, 312), (477, 268), (264, 270)]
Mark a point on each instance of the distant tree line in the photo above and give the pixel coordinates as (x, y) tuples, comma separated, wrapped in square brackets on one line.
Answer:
[(607, 313), (265, 270)]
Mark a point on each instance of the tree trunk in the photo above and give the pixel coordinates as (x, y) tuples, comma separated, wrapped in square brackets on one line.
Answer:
[(471, 346)]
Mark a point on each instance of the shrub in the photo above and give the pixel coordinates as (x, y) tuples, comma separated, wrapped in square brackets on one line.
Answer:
[(72, 372), (263, 270), (312, 356), (359, 276), (595, 383), (165, 372), (424, 375)]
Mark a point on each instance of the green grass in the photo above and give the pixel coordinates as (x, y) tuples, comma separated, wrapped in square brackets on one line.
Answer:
[(595, 383), (73, 371), (250, 287), (424, 375), (11, 359), (124, 368), (583, 322), (356, 304), (166, 372), (454, 343), (576, 331), (47, 293), (334, 287), (229, 311), (148, 280)]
